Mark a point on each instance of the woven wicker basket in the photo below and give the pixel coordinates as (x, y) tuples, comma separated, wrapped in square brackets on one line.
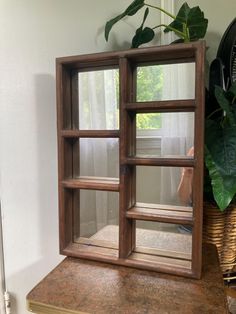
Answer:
[(220, 229)]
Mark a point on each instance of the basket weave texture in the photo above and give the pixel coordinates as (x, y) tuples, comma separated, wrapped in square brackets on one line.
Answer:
[(219, 228)]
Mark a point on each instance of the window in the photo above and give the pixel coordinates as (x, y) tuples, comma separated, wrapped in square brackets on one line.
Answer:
[(118, 195)]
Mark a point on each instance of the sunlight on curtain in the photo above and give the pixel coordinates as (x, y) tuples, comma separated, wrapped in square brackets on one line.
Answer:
[(98, 99), (177, 128)]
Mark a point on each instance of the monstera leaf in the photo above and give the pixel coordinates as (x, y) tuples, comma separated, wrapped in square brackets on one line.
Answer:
[(133, 8), (143, 35), (190, 22), (220, 159), (220, 150)]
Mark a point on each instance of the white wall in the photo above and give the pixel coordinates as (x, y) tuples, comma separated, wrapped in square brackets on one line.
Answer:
[(33, 34)]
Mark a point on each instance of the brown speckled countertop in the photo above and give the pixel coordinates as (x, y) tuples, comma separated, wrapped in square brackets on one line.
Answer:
[(98, 288)]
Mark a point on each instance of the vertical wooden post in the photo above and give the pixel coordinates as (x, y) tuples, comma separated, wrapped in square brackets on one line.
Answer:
[(199, 158), (127, 173)]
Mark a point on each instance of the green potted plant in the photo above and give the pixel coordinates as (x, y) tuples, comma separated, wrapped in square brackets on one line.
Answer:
[(189, 24), (220, 182)]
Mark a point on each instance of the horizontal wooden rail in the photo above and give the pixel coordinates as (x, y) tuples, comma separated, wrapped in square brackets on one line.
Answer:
[(91, 133), (160, 215), (89, 183), (161, 161), (184, 105)]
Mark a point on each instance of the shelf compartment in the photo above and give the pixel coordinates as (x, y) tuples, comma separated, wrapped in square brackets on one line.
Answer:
[(163, 253), (161, 161), (159, 262), (184, 105), (161, 213), (92, 183), (92, 252), (90, 133)]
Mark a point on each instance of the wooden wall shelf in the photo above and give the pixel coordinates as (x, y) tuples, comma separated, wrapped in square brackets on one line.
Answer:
[(130, 213)]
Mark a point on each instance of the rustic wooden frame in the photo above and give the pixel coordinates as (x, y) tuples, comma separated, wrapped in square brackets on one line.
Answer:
[(68, 133)]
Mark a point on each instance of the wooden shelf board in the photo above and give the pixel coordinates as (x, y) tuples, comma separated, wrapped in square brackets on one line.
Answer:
[(163, 253), (135, 259), (166, 214), (90, 183), (184, 105), (161, 161), (159, 261), (89, 251), (90, 133), (95, 242)]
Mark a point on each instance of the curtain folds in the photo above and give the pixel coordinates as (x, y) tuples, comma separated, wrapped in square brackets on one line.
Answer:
[(98, 101), (98, 110)]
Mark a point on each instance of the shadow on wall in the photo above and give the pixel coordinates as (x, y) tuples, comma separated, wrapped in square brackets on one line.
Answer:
[(214, 40), (46, 229), (47, 164)]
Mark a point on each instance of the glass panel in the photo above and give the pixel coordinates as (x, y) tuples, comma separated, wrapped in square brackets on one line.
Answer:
[(166, 82), (98, 100), (164, 185), (96, 218), (165, 134), (97, 157), (164, 239)]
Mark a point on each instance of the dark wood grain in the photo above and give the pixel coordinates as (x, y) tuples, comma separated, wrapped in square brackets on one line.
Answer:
[(90, 183), (91, 133), (161, 161), (199, 156), (160, 215), (162, 106), (127, 174)]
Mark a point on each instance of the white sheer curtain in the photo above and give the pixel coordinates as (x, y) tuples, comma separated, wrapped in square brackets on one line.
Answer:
[(98, 99), (177, 128)]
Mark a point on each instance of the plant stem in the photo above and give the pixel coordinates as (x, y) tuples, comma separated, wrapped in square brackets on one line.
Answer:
[(162, 10), (186, 33), (215, 111), (180, 34)]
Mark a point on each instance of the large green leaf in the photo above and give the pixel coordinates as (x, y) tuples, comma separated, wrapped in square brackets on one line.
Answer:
[(196, 23), (142, 35), (134, 7), (190, 22), (220, 158), (225, 103)]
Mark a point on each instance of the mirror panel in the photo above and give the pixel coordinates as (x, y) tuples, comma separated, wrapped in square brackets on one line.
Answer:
[(164, 185), (165, 240), (97, 99), (96, 157), (96, 218), (165, 134), (165, 82)]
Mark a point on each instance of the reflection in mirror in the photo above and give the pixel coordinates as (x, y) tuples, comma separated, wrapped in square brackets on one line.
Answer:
[(96, 217), (98, 99), (166, 82), (96, 157), (163, 239), (165, 134), (164, 185)]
